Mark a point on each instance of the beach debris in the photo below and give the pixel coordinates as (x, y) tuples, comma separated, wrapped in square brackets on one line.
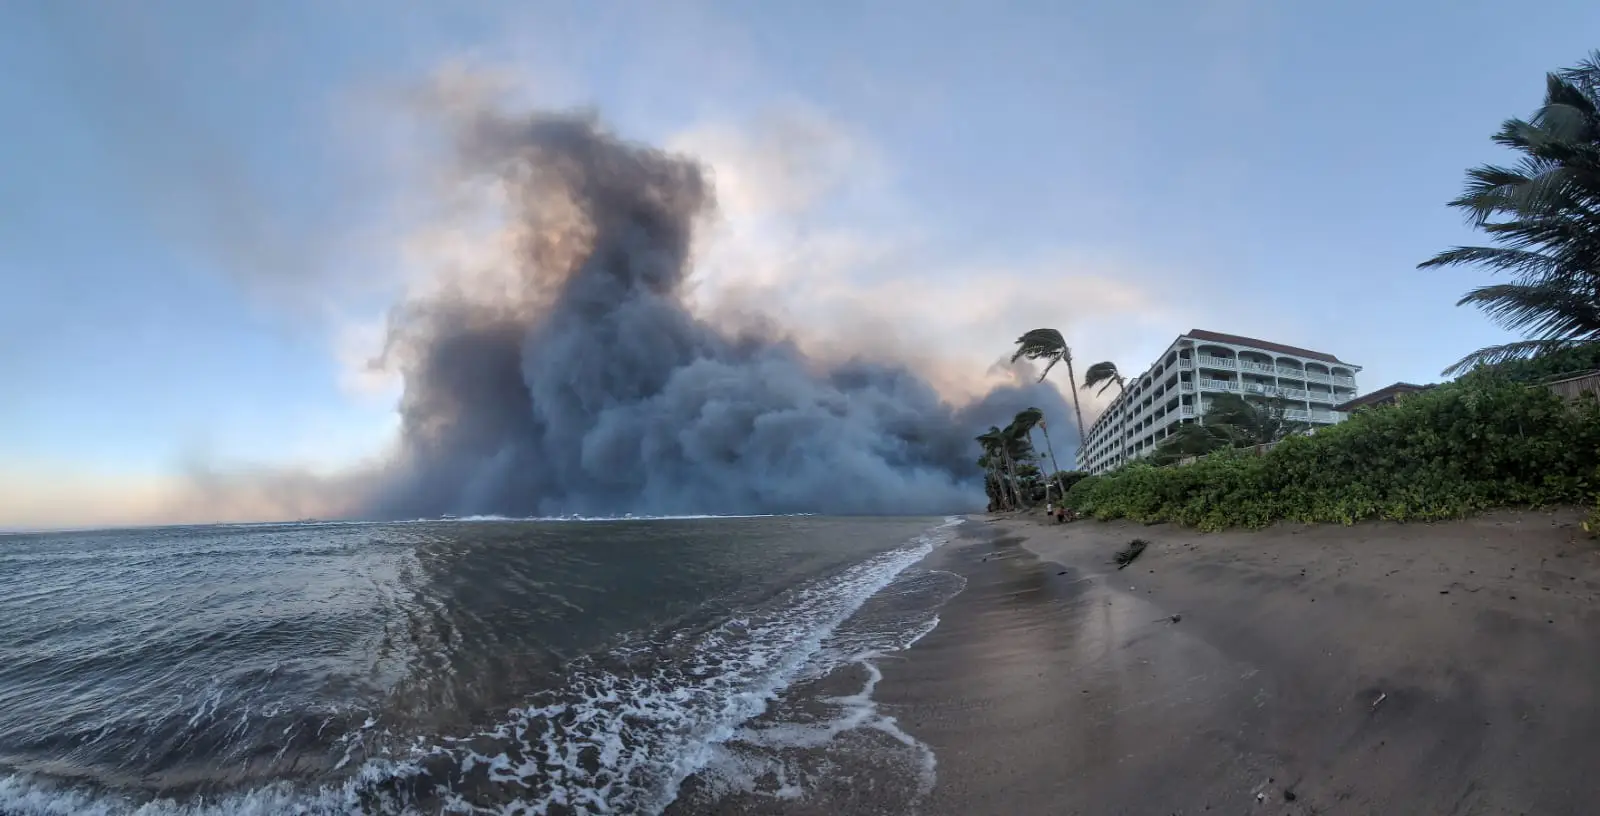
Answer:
[(1063, 572), (1288, 795), (1126, 555), (1174, 618), (1382, 695)]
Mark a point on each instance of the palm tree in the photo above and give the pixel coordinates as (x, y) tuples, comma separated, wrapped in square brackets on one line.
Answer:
[(1250, 423), (1191, 439), (1544, 217), (1034, 416), (1049, 345), (1014, 446), (994, 442), (1105, 372)]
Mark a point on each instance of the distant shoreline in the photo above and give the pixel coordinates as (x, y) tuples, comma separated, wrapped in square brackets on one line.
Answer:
[(1383, 668)]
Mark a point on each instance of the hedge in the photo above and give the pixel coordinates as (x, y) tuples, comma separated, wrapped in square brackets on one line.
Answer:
[(1466, 446)]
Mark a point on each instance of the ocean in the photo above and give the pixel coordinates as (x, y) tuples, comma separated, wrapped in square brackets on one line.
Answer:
[(461, 666)]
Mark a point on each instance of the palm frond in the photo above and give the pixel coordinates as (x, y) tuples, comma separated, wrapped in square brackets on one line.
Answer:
[(1038, 344), (1043, 344), (1103, 372), (1542, 215), (1495, 355), (1540, 310)]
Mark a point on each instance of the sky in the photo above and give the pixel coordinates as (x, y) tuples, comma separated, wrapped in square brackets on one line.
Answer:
[(206, 209)]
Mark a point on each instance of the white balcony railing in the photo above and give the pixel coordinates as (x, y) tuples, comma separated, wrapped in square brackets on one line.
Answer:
[(1326, 416), (1347, 382), (1187, 410), (1285, 371), (1298, 416), (1218, 385), (1317, 376), (1186, 387), (1265, 368), (1292, 393), (1216, 362), (1185, 362)]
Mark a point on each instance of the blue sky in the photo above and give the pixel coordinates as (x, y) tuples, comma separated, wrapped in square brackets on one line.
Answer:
[(203, 207)]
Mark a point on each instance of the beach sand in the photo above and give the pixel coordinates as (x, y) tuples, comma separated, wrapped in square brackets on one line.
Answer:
[(1449, 668)]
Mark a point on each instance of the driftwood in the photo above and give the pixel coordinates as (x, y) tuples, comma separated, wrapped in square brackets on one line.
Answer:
[(1126, 555)]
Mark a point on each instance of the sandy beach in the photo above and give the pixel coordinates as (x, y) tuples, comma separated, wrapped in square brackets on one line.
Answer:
[(1442, 668)]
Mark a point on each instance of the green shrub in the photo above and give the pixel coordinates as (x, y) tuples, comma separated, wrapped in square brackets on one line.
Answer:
[(1068, 478), (1459, 448)]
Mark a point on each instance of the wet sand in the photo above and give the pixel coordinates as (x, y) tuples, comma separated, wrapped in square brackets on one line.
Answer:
[(1449, 668)]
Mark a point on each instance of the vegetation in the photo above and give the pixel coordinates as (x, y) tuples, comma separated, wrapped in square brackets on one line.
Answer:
[(1555, 365), (1068, 478), (1105, 373), (1543, 217), (1049, 345), (1231, 422), (1491, 438), (1462, 447), (1012, 479)]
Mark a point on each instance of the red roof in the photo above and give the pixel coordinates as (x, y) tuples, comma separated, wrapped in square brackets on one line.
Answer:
[(1219, 337), (1386, 394)]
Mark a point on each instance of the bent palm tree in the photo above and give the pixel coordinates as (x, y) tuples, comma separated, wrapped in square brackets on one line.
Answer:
[(1034, 416), (994, 442), (1105, 372), (1544, 217), (1049, 345)]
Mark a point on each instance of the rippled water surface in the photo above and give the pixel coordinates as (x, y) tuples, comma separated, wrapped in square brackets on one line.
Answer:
[(453, 666)]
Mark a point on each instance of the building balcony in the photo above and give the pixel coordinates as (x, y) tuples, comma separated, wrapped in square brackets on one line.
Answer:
[(1264, 368), (1297, 416), (1187, 388), (1347, 382), (1327, 416), (1216, 362), (1275, 391), (1218, 385), (1294, 373), (1186, 410), (1185, 362), (1317, 376)]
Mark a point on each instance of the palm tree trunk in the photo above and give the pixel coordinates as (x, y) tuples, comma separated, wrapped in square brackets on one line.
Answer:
[(1054, 468), (992, 481), (1011, 471), (1072, 379)]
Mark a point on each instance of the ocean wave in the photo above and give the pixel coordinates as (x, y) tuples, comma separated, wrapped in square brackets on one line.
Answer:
[(617, 737), (305, 523)]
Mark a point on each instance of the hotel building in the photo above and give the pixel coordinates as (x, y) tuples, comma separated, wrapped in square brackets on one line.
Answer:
[(1199, 365)]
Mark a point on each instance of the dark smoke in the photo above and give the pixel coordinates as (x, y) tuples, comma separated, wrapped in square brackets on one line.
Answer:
[(586, 385)]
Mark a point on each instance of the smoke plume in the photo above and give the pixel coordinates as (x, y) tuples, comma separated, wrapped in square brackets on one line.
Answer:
[(579, 381)]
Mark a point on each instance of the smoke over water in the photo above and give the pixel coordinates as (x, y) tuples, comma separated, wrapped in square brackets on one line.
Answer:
[(581, 381)]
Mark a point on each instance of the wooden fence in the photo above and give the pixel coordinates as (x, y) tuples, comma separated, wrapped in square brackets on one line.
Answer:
[(1575, 387)]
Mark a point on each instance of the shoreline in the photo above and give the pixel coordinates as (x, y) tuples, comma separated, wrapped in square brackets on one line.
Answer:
[(1380, 668)]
